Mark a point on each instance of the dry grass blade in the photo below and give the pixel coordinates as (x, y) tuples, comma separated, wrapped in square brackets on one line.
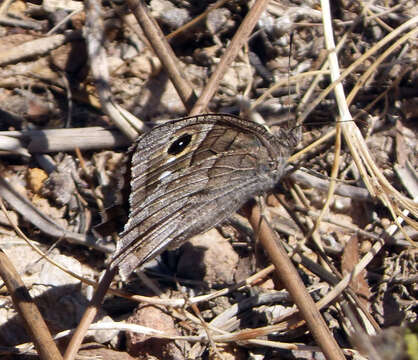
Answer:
[(408, 24), (374, 180), (332, 185), (361, 81)]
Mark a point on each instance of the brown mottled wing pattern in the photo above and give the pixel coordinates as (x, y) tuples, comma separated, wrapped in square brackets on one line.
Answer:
[(188, 175)]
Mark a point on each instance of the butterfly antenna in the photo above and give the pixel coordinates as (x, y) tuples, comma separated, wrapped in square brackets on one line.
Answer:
[(294, 132), (288, 69)]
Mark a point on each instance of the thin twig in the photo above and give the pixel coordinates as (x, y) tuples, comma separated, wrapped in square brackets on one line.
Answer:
[(240, 37), (289, 276), (126, 122), (24, 305), (164, 52), (36, 47), (89, 314)]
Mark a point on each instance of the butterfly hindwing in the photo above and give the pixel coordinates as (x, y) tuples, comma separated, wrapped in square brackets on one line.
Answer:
[(188, 175)]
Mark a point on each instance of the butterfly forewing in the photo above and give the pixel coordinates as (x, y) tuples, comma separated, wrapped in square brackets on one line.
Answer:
[(189, 175)]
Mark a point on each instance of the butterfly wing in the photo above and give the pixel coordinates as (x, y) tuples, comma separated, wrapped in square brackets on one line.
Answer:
[(189, 175)]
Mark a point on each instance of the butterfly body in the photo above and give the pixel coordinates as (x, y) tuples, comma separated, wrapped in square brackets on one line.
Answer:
[(189, 175)]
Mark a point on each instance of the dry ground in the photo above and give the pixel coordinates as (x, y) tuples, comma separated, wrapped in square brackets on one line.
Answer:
[(78, 84)]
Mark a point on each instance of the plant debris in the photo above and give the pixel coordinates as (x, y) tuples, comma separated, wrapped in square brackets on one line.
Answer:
[(75, 92)]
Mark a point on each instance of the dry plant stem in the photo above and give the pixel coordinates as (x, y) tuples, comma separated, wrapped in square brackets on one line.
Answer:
[(64, 269), (377, 246), (164, 52), (323, 213), (346, 280), (353, 192), (126, 122), (81, 95), (375, 17), (289, 276), (229, 319), (308, 148), (360, 266), (27, 309), (193, 300), (138, 298), (54, 140), (25, 306), (333, 61), (25, 24), (383, 94), (358, 337), (328, 266), (89, 314), (244, 337), (374, 180), (308, 94), (240, 37), (332, 279), (36, 47), (328, 298), (206, 329)]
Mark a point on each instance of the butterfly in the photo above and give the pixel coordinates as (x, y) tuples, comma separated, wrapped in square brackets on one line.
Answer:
[(190, 174)]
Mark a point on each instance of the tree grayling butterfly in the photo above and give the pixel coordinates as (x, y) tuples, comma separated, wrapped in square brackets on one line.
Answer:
[(189, 175)]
